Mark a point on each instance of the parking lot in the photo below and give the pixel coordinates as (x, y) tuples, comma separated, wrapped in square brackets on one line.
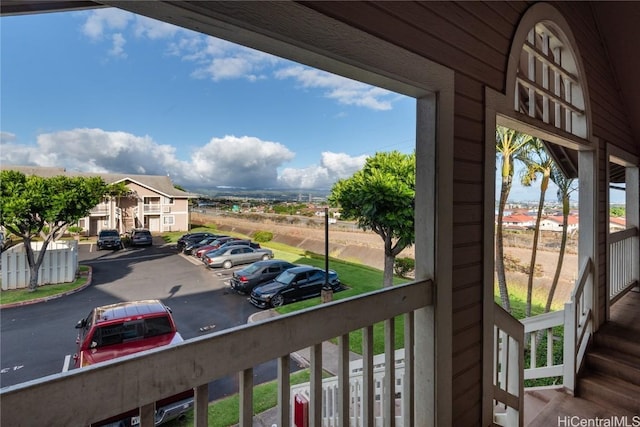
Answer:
[(39, 340)]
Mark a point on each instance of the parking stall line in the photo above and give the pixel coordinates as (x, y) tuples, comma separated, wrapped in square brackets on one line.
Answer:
[(65, 366)]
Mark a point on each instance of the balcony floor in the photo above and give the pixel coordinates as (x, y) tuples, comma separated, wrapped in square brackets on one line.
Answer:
[(546, 407)]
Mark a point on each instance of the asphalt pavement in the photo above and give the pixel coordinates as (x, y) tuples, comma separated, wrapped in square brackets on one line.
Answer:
[(268, 418)]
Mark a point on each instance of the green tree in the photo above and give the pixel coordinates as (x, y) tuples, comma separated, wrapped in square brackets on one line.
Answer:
[(617, 211), (33, 206), (381, 197), (509, 145), (537, 162)]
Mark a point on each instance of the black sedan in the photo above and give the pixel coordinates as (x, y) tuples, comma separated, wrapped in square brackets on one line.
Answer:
[(246, 279), (190, 238), (190, 246), (292, 285)]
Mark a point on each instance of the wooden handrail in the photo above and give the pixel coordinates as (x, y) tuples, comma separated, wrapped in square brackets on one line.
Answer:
[(621, 235), (113, 387), (585, 271)]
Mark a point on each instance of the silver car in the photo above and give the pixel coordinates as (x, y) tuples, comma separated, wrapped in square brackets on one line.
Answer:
[(235, 255)]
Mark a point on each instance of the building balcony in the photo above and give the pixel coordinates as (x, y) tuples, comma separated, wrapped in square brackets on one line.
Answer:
[(100, 210), (151, 209), (108, 389)]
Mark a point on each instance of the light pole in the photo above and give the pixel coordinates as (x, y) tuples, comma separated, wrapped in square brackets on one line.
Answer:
[(327, 292)]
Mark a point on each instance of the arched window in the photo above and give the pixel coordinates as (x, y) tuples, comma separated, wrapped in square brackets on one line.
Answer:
[(548, 84)]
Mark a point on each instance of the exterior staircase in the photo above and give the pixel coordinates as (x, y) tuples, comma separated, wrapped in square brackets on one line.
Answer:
[(612, 372), (608, 386)]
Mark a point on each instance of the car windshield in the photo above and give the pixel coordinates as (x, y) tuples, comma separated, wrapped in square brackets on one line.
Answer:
[(109, 233), (286, 277)]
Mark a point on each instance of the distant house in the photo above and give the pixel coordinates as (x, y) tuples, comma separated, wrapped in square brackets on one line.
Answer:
[(518, 222), (617, 224), (153, 202), (554, 223)]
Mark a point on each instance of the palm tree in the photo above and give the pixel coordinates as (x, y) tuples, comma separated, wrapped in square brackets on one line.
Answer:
[(509, 144), (537, 161), (565, 188)]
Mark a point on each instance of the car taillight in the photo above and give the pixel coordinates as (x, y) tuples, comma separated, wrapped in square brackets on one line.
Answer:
[(243, 279)]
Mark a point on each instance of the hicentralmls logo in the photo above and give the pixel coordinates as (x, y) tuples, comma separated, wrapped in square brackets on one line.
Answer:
[(613, 421)]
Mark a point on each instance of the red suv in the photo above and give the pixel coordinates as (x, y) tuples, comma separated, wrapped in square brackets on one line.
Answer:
[(125, 328)]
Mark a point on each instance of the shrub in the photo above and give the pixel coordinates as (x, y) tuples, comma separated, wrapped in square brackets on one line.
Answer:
[(262, 236), (404, 266), (74, 229)]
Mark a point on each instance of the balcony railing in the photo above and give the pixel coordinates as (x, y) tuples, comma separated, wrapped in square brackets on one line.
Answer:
[(508, 353), (152, 208), (623, 262), (331, 393), (576, 321), (80, 397)]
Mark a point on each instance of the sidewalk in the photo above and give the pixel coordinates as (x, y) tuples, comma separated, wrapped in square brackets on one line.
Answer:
[(269, 418)]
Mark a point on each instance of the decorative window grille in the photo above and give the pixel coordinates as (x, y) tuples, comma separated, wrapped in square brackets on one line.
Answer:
[(548, 86)]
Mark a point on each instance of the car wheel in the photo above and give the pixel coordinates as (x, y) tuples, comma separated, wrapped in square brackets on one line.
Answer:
[(227, 264), (277, 301), (265, 257)]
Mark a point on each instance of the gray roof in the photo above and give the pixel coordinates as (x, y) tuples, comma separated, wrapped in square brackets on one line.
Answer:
[(160, 183)]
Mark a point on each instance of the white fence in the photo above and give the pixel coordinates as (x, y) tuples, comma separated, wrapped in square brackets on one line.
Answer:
[(331, 400), (623, 262), (60, 264)]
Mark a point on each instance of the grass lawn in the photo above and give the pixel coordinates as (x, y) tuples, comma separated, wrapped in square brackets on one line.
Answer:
[(224, 412), (21, 295)]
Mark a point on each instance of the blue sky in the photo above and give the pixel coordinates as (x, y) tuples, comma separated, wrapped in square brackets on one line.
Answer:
[(109, 91)]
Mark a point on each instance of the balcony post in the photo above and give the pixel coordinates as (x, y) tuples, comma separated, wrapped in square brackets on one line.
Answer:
[(201, 405), (632, 215), (246, 397), (315, 405), (147, 415), (588, 226), (569, 350), (284, 386)]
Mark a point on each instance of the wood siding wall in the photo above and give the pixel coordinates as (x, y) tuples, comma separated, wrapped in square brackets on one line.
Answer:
[(610, 121), (474, 39)]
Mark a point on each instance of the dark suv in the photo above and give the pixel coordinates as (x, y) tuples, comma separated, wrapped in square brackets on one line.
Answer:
[(109, 239)]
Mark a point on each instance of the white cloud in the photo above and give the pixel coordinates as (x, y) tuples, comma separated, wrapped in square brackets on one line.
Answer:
[(97, 150), (239, 162), (345, 91), (103, 20), (228, 161), (117, 49), (152, 29), (219, 60), (332, 167)]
